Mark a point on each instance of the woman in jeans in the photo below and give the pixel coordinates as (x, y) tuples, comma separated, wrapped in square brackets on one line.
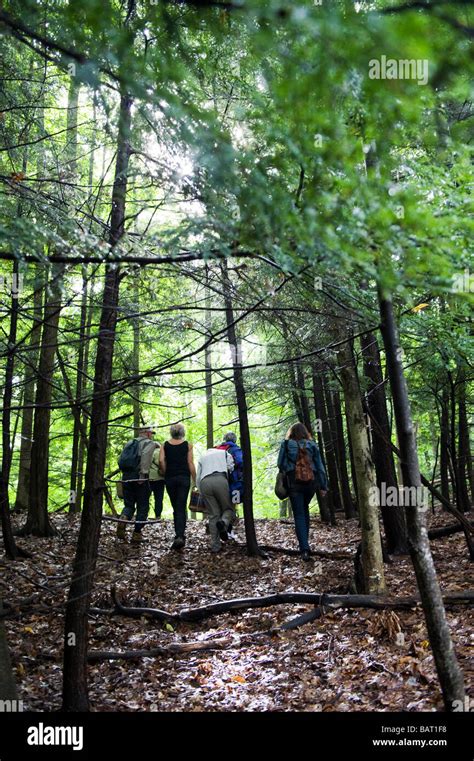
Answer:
[(301, 492), (177, 466)]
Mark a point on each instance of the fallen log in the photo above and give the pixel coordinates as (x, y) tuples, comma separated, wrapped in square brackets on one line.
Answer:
[(437, 533), (175, 648), (323, 600)]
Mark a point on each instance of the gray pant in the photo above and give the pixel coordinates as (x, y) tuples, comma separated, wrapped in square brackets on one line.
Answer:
[(215, 491)]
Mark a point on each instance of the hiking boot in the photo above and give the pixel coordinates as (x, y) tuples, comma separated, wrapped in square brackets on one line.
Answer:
[(178, 543), (215, 548), (121, 530), (305, 555), (221, 527), (136, 538)]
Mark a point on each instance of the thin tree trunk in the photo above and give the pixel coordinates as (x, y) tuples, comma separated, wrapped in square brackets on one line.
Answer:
[(11, 550), (78, 418), (37, 522), (372, 560), (75, 691), (444, 445), (208, 371), (136, 356), (341, 456), (26, 434), (84, 414), (303, 399), (241, 398), (463, 445), (329, 502), (449, 673), (393, 516), (351, 460), (332, 443)]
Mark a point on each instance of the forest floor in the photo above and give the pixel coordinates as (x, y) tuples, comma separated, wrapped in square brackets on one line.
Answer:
[(348, 660)]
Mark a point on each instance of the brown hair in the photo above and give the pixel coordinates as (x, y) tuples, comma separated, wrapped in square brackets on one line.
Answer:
[(298, 431)]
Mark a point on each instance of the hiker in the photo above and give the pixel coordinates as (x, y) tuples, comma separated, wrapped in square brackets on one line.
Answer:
[(300, 460), (236, 477), (212, 480), (134, 462), (157, 481), (177, 465)]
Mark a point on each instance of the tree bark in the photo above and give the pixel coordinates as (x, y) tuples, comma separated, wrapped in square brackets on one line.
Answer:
[(37, 522), (303, 399), (78, 430), (332, 499), (26, 435), (449, 673), (11, 550), (341, 456), (463, 446), (208, 370), (444, 445), (75, 692), (372, 560), (393, 517), (241, 398)]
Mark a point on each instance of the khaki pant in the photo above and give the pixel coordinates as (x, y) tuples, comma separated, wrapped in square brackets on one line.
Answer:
[(215, 491)]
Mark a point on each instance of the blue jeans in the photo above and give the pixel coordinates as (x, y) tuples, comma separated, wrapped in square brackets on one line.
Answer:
[(178, 490), (135, 494), (300, 497)]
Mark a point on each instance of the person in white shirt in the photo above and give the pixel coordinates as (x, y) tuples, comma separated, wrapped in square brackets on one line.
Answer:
[(213, 484)]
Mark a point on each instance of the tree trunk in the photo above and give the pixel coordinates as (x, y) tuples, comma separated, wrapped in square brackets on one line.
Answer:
[(208, 370), (449, 673), (332, 499), (372, 560), (341, 456), (75, 692), (241, 398), (463, 446), (393, 517), (37, 522), (26, 435), (78, 431), (444, 445), (11, 549), (136, 356), (303, 399)]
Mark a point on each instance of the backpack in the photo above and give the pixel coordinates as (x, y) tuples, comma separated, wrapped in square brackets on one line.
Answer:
[(236, 484), (303, 469), (129, 460)]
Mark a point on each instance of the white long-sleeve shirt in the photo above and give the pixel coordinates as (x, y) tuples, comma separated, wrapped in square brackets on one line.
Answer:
[(214, 461)]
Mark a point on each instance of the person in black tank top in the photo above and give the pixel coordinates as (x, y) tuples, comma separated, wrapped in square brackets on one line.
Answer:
[(177, 465)]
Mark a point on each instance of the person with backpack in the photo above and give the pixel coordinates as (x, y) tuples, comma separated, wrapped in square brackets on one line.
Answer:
[(299, 459), (177, 466), (212, 480), (135, 462), (236, 477)]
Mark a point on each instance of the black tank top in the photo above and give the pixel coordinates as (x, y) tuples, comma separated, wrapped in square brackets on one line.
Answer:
[(176, 456)]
